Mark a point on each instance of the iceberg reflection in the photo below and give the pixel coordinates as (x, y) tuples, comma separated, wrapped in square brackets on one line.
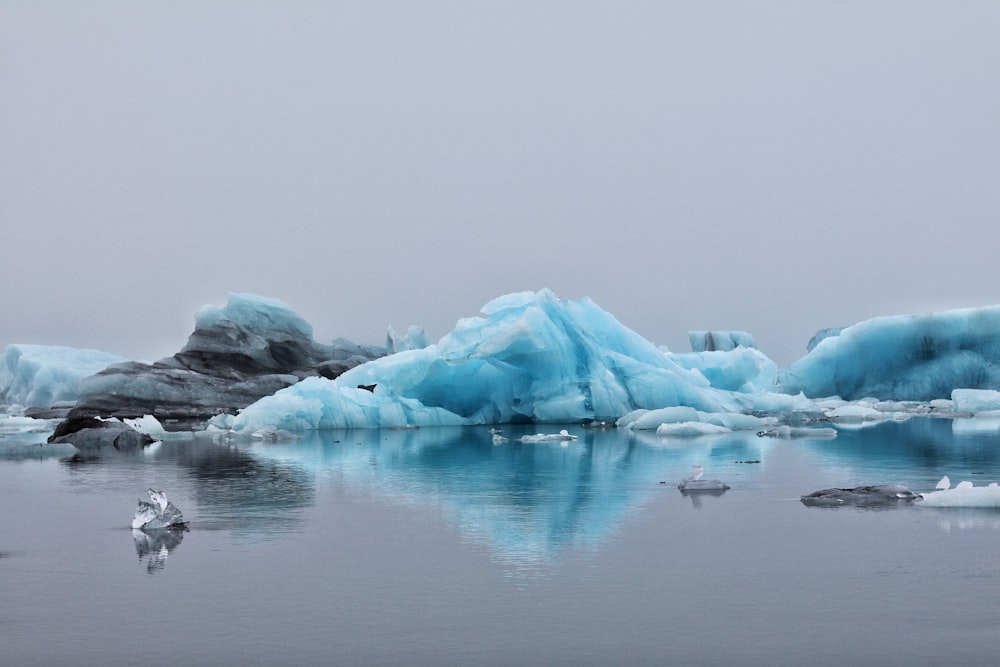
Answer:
[(527, 501), (155, 545)]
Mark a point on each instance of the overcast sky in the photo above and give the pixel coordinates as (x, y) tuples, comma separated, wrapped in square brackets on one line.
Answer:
[(775, 167)]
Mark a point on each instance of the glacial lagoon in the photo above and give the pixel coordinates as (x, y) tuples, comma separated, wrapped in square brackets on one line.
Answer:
[(435, 546)]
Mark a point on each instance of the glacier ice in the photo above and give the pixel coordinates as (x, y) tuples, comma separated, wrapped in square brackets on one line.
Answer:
[(902, 357), (251, 347), (530, 357), (975, 401), (43, 375), (723, 341)]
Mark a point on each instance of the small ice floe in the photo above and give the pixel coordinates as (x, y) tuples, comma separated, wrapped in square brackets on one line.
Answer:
[(561, 436), (824, 433), (158, 514), (498, 439), (274, 435), (965, 494), (690, 430), (149, 425), (695, 483), (884, 495)]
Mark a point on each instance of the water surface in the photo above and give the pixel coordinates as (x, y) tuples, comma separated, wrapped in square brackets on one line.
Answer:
[(435, 546)]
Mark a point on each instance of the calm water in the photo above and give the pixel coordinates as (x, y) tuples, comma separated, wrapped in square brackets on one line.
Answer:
[(435, 547)]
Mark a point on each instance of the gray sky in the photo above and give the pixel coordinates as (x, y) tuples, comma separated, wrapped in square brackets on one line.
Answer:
[(776, 167)]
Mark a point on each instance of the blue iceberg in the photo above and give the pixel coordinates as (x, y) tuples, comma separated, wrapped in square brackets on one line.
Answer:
[(530, 358), (902, 357), (41, 376)]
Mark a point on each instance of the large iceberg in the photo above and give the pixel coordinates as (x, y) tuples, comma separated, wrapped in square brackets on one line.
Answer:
[(531, 357), (248, 349), (902, 357), (40, 376)]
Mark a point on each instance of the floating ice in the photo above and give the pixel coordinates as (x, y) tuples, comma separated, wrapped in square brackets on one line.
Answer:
[(903, 357), (865, 496), (695, 483), (690, 429), (786, 431), (975, 400), (43, 375), (248, 349), (158, 514), (561, 436), (531, 358), (965, 494)]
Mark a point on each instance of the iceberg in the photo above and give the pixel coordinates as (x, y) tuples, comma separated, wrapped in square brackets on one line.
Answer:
[(530, 358), (40, 376), (248, 349), (902, 357)]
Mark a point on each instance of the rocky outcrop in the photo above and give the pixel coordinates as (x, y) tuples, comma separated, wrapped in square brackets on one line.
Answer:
[(236, 355)]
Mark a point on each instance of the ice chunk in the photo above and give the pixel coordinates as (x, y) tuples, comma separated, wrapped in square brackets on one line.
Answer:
[(742, 369), (43, 375), (690, 430), (561, 436), (904, 357), (965, 494), (415, 339), (695, 483), (723, 341), (975, 400), (786, 431), (883, 494), (158, 514), (650, 420), (147, 424)]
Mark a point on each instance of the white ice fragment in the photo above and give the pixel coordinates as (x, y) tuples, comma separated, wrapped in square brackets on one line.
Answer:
[(561, 436), (690, 430)]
